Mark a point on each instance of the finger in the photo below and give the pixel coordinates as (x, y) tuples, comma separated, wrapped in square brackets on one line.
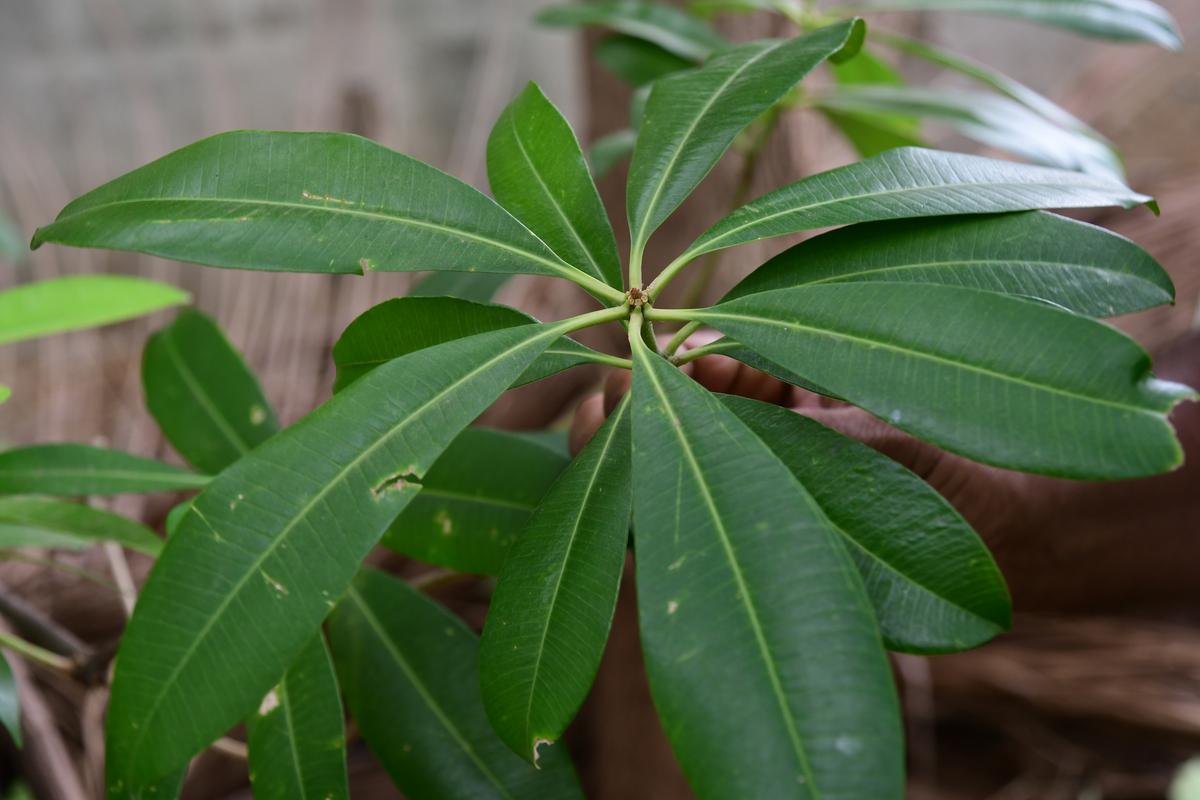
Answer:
[(588, 419), (616, 386), (716, 373)]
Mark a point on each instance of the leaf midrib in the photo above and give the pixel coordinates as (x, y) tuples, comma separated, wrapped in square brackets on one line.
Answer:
[(574, 537), (235, 591), (735, 568), (706, 244), (206, 401), (669, 168), (594, 263), (381, 633), (964, 262), (559, 268), (920, 354)]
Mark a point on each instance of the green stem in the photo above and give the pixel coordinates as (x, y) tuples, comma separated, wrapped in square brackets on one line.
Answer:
[(607, 360), (672, 314), (596, 288), (701, 352), (32, 651), (593, 318), (635, 265), (680, 337)]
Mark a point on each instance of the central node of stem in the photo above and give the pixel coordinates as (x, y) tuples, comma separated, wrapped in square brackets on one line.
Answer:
[(636, 297)]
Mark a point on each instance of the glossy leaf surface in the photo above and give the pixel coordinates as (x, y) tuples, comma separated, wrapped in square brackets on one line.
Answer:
[(202, 395), (1123, 20), (998, 379), (933, 583), (81, 301), (672, 29), (1072, 264), (297, 736), (553, 605), (910, 182), (77, 469), (988, 118), (257, 563), (537, 172), (692, 117), (475, 500), (763, 655), (301, 202), (410, 672), (404, 325), (42, 522)]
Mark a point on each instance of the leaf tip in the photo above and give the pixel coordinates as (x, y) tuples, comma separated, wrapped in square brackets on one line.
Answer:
[(856, 34)]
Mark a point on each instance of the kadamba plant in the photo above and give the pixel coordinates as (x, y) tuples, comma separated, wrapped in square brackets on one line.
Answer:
[(776, 560)]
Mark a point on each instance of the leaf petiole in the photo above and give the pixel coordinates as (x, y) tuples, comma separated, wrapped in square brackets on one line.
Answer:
[(713, 348), (38, 654)]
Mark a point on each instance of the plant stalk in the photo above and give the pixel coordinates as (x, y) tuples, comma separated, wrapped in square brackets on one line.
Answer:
[(35, 653)]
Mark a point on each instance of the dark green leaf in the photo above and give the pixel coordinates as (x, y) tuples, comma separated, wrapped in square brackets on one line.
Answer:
[(479, 287), (81, 301), (475, 500), (637, 61), (762, 652), (693, 117), (1123, 20), (203, 396), (410, 673), (608, 151), (910, 182), (10, 701), (77, 469), (297, 737), (998, 379), (934, 585), (673, 30), (553, 606), (537, 172), (302, 202), (404, 325), (1032, 254), (41, 522), (267, 548), (987, 118)]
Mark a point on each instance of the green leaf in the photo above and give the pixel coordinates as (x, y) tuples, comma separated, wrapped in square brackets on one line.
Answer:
[(871, 133), (637, 61), (537, 172), (41, 522), (672, 29), (78, 302), (1016, 384), (410, 673), (987, 118), (479, 287), (404, 325), (10, 702), (608, 151), (1033, 254), (202, 395), (176, 515), (693, 117), (267, 548), (763, 655), (909, 182), (5, 393), (302, 202), (297, 737), (475, 500), (1122, 20), (932, 581), (77, 469), (553, 605)]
